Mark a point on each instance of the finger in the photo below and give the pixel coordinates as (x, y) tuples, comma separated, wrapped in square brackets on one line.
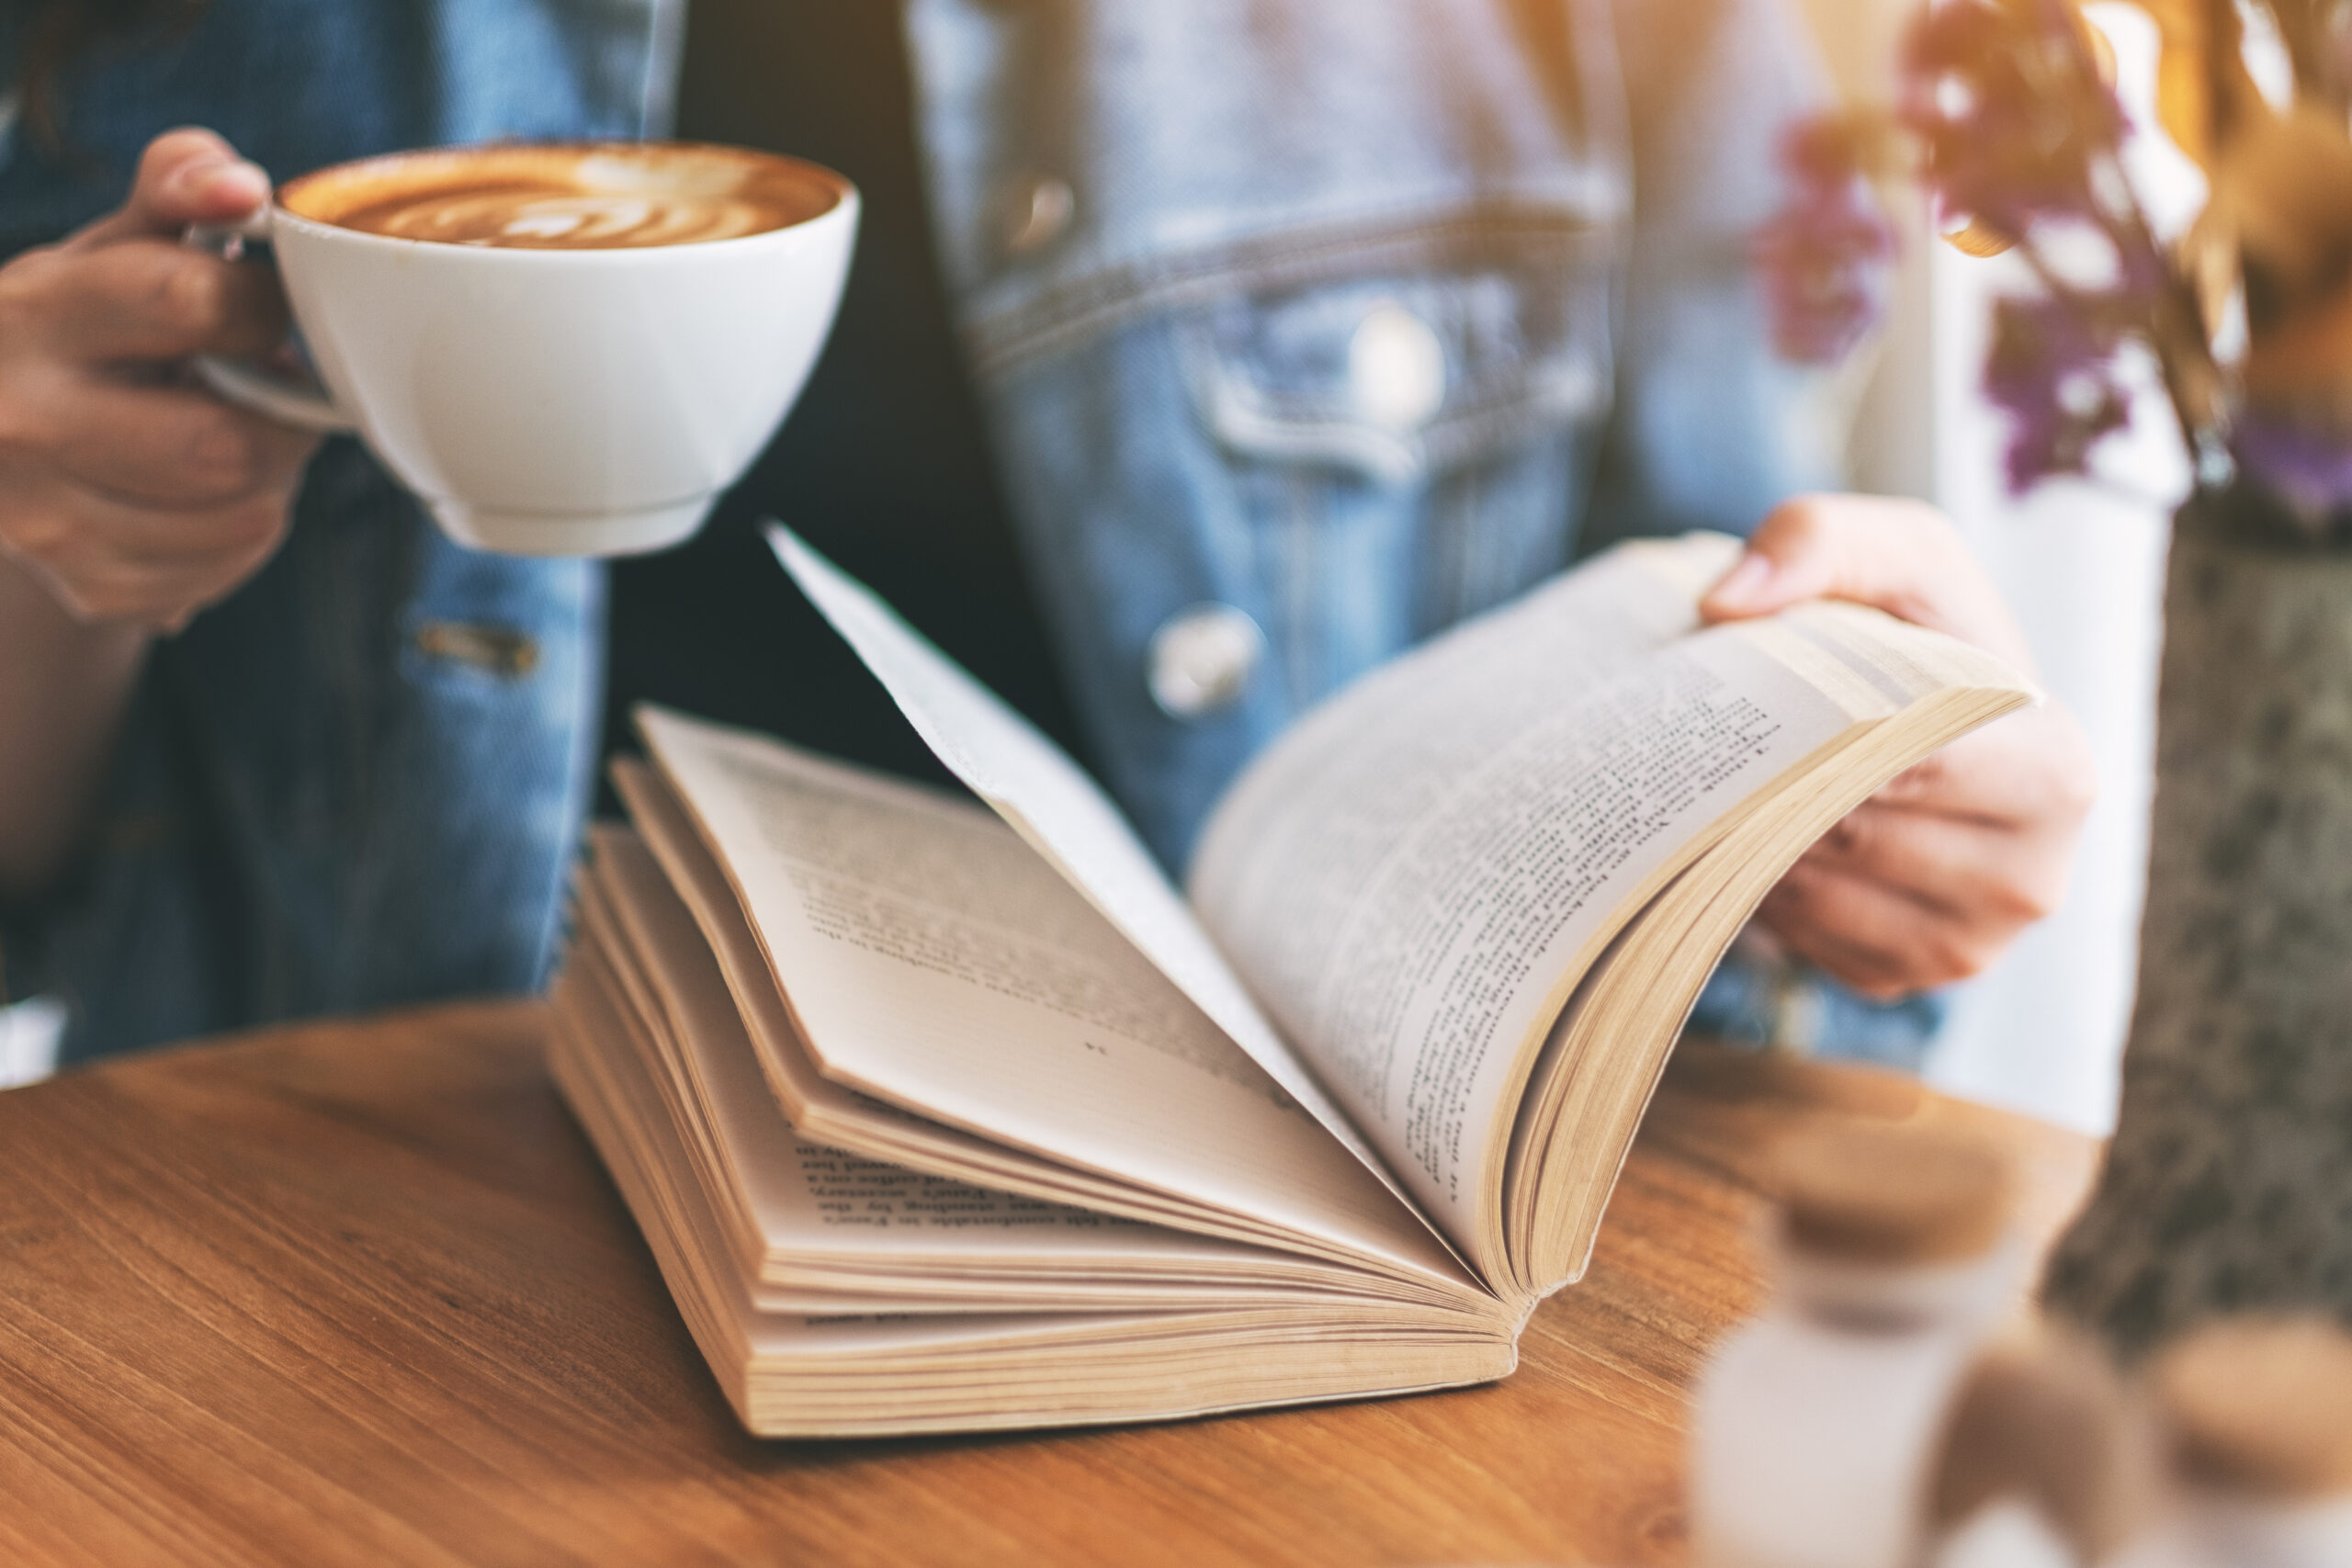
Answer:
[(80, 536), (152, 299), (2032, 769), (159, 598), (1894, 555), (189, 176), (2002, 878), (99, 579), (1878, 942), (1861, 965), (168, 447)]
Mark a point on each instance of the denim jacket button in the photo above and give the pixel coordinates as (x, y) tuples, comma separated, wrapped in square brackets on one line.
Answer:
[(1396, 368), (1037, 214), (1202, 657)]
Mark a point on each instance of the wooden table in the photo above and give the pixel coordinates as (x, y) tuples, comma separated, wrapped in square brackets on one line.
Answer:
[(359, 1292)]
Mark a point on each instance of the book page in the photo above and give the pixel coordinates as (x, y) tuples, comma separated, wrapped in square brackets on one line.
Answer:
[(934, 960), (820, 1218), (806, 1198), (1051, 802), (1413, 875)]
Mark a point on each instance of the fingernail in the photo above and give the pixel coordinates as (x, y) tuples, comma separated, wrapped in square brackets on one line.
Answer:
[(207, 174), (241, 179), (1742, 584), (192, 175)]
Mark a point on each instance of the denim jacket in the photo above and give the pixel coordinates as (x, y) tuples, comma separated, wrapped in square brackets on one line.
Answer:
[(1304, 327)]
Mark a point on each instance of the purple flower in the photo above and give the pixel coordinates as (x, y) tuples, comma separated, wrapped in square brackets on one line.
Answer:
[(2310, 471), (1822, 257), (2014, 117), (2019, 138), (2052, 371)]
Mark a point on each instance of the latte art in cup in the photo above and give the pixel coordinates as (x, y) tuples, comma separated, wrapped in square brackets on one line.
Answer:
[(563, 220), (562, 349), (609, 196)]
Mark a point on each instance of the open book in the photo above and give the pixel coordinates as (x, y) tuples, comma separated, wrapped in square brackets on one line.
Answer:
[(941, 1115)]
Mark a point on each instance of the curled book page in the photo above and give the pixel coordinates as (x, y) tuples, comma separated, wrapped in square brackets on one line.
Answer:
[(1052, 803), (1415, 874)]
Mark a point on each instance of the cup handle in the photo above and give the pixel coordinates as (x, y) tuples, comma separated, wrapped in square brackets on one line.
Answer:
[(291, 394)]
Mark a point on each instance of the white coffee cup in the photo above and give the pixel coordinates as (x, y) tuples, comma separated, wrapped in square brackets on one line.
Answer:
[(553, 401)]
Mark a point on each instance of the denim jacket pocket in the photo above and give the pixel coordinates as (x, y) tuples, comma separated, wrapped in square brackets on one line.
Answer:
[(1392, 378), (1414, 448), (1417, 442)]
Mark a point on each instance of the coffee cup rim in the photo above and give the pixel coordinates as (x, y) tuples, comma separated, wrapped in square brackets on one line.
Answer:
[(844, 193)]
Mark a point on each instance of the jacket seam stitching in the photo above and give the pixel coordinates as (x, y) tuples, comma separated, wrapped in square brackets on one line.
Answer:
[(1068, 313)]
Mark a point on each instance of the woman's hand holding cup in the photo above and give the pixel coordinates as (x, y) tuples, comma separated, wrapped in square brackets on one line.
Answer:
[(133, 495)]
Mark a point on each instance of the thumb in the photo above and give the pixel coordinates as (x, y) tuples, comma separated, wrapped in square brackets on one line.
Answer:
[(1894, 555), (186, 176)]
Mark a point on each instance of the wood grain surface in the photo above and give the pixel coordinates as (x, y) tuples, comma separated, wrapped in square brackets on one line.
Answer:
[(358, 1293)]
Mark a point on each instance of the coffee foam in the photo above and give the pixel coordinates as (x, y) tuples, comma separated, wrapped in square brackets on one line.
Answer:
[(594, 196)]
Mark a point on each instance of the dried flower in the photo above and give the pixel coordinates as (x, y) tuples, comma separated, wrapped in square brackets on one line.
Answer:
[(2019, 136), (2203, 89), (1823, 257), (2052, 371), (2015, 118)]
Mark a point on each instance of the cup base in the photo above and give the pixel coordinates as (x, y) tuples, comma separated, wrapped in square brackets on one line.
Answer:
[(570, 533)]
